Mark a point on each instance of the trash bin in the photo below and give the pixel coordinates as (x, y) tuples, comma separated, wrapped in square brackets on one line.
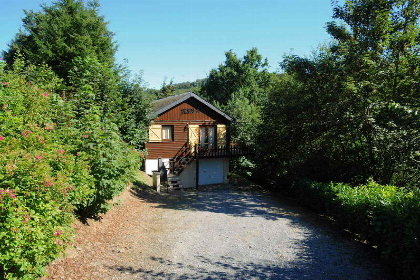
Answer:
[(156, 180), (163, 172)]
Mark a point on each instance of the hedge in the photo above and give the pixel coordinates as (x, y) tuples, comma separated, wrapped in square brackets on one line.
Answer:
[(385, 216)]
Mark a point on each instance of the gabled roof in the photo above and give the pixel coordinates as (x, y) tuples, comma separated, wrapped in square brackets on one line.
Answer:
[(162, 105)]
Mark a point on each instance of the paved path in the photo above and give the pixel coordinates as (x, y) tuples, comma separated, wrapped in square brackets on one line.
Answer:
[(221, 233)]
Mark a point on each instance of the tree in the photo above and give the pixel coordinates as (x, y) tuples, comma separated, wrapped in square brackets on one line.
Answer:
[(247, 118), (348, 113), (61, 164), (379, 43), (240, 87), (119, 98), (60, 33), (137, 111), (248, 74), (73, 39), (378, 46), (95, 83), (166, 89)]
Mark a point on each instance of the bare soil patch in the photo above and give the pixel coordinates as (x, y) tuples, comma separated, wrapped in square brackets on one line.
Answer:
[(125, 232)]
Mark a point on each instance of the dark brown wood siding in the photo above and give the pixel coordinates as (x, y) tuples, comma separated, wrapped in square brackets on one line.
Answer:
[(201, 113), (202, 116)]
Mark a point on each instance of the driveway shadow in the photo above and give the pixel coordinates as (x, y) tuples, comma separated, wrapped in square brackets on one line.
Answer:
[(223, 268), (325, 252), (225, 199), (304, 268)]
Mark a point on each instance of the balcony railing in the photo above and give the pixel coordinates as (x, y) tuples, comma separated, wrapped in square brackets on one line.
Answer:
[(187, 154), (232, 150)]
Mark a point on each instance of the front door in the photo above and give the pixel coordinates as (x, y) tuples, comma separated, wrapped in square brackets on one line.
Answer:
[(208, 136)]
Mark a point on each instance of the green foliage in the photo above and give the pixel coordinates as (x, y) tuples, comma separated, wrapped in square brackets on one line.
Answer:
[(61, 155), (244, 128), (247, 118), (60, 33), (94, 83), (73, 39), (116, 98), (112, 162), (348, 113), (40, 182), (167, 89), (247, 75), (387, 217), (240, 87), (136, 111), (57, 156), (189, 86)]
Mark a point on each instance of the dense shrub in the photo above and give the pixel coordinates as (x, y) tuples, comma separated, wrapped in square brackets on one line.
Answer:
[(52, 163), (111, 161), (386, 216)]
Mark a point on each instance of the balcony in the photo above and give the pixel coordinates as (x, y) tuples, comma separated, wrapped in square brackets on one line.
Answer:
[(188, 153), (232, 150)]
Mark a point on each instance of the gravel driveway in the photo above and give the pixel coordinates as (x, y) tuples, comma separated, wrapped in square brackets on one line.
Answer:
[(218, 233)]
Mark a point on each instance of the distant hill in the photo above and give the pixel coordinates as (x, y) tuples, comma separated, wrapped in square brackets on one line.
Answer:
[(188, 86), (177, 88)]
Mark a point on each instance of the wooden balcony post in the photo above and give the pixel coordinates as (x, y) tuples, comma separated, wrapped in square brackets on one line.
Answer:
[(197, 169)]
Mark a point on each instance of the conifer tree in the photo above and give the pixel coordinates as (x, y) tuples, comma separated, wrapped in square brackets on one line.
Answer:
[(61, 32)]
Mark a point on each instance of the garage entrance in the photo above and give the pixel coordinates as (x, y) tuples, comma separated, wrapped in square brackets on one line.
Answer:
[(211, 171)]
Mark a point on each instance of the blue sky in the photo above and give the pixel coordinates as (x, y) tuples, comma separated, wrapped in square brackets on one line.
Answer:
[(185, 39)]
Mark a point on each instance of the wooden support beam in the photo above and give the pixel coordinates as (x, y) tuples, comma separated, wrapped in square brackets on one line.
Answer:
[(197, 170)]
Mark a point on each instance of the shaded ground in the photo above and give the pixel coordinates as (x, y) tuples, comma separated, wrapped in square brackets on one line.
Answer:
[(216, 233)]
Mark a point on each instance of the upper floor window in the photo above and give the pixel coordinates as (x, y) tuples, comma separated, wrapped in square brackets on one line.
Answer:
[(208, 136), (167, 132)]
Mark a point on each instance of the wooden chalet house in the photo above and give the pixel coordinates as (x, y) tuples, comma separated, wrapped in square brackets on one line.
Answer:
[(189, 140)]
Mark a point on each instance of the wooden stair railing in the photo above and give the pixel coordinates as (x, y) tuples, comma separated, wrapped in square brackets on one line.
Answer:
[(182, 159)]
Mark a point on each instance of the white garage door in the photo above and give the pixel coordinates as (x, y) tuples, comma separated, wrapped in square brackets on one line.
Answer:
[(211, 171)]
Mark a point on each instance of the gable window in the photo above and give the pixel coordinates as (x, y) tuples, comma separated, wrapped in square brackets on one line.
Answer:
[(167, 133)]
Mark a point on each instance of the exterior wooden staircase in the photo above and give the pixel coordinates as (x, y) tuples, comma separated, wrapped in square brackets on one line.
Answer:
[(182, 159)]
